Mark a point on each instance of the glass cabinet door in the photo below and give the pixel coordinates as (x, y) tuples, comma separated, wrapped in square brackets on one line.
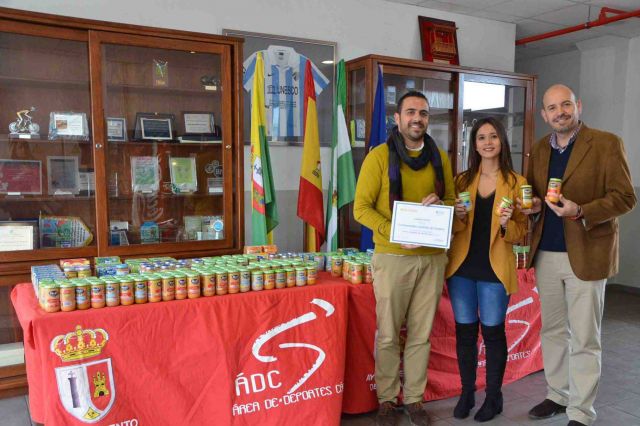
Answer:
[(439, 90), (47, 189), (168, 133), (492, 97)]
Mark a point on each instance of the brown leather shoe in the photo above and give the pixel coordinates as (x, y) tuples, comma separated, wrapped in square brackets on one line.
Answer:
[(417, 414), (386, 414), (546, 409)]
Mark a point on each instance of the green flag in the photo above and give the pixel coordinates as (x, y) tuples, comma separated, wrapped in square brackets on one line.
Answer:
[(342, 186)]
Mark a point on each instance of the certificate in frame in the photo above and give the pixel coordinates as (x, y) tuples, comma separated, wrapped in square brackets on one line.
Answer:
[(116, 129), (199, 123), (145, 174), (18, 235), (68, 124), (20, 177), (184, 178), (162, 129), (63, 175)]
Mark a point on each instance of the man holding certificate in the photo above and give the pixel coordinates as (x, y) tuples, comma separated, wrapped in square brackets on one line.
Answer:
[(407, 278)]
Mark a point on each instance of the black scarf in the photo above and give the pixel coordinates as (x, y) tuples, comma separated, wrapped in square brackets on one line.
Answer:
[(398, 152)]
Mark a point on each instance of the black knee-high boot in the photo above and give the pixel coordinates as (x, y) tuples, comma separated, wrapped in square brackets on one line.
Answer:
[(495, 341), (467, 352)]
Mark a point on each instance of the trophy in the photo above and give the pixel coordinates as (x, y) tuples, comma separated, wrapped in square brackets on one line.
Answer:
[(24, 126)]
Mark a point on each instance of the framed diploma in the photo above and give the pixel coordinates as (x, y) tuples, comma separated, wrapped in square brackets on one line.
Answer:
[(145, 176), (429, 226), (63, 175), (199, 123), (71, 125), (20, 177), (18, 235), (116, 129), (154, 126), (183, 174)]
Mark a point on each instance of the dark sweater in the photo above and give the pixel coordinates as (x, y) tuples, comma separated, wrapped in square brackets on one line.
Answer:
[(476, 265), (553, 229)]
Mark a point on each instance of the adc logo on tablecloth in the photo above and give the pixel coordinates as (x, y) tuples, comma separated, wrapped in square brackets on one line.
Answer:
[(87, 391), (309, 316)]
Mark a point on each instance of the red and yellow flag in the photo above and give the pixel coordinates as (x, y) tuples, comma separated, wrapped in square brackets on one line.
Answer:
[(310, 206)]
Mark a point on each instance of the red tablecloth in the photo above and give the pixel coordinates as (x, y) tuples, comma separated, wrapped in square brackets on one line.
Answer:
[(268, 358), (522, 326)]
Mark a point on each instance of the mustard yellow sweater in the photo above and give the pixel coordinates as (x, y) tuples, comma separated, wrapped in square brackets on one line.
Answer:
[(371, 205)]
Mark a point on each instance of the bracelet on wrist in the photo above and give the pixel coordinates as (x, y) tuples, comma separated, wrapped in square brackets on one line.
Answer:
[(578, 214)]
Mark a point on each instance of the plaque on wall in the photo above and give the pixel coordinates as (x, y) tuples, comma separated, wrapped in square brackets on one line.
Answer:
[(438, 40)]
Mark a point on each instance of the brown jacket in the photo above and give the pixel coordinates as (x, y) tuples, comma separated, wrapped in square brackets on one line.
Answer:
[(500, 247), (598, 179)]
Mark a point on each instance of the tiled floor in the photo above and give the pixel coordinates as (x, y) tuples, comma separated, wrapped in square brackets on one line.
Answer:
[(618, 401)]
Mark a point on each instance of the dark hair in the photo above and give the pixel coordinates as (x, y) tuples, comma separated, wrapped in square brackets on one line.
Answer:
[(410, 94), (506, 165)]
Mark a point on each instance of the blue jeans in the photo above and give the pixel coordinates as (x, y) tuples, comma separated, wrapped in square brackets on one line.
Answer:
[(468, 297)]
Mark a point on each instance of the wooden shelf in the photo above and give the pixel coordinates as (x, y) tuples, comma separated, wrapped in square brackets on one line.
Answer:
[(42, 82), (43, 198), (164, 143), (163, 90), (58, 141), (129, 197)]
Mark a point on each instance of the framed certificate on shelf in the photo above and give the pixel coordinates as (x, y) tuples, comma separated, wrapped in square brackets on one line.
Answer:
[(18, 235), (63, 175), (198, 123), (154, 126), (116, 129), (145, 175), (183, 174), (71, 125), (20, 177)]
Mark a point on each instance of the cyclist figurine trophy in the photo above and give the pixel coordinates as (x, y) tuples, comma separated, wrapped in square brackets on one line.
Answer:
[(24, 127)]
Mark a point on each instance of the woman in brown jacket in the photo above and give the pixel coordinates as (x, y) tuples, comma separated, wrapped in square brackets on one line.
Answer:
[(481, 273)]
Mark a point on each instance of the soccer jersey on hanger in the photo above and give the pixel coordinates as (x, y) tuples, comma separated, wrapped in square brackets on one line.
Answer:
[(284, 88)]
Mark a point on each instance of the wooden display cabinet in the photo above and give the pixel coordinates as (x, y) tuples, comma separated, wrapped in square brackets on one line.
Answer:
[(457, 96), (82, 68)]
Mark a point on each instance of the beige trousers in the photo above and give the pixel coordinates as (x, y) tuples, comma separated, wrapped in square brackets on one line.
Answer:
[(406, 288), (571, 324)]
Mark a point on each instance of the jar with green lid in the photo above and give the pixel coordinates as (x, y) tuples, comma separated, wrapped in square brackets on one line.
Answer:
[(67, 296), (281, 278), (41, 285), (234, 279), (367, 272), (168, 286), (181, 284), (257, 280), (139, 288), (290, 273), (154, 287), (193, 284), (112, 291), (301, 276), (208, 282), (356, 272), (97, 295), (312, 274), (51, 296), (269, 279), (127, 288), (83, 271), (222, 281), (83, 294), (336, 266), (245, 279)]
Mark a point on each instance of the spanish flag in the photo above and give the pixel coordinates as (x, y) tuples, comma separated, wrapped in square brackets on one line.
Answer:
[(310, 207), (264, 211)]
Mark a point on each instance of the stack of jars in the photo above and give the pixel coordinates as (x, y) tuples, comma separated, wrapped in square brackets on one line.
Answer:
[(355, 267)]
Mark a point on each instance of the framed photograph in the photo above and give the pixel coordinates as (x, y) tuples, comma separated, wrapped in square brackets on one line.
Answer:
[(20, 177), (199, 123), (18, 235), (116, 129), (157, 126), (71, 125), (145, 174), (63, 175), (183, 174), (438, 40), (285, 106)]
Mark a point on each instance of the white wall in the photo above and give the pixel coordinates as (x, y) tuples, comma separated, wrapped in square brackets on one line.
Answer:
[(359, 27), (605, 73)]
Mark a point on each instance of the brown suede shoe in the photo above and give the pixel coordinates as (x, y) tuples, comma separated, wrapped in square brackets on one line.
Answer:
[(546, 409), (386, 414), (417, 414)]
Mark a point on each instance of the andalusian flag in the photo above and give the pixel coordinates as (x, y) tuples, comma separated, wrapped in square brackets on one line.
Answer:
[(264, 212), (342, 187), (310, 208)]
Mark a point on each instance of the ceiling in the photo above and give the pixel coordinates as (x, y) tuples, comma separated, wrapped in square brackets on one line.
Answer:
[(534, 17)]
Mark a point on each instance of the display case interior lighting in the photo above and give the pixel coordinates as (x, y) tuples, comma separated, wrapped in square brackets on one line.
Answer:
[(328, 62), (481, 96)]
